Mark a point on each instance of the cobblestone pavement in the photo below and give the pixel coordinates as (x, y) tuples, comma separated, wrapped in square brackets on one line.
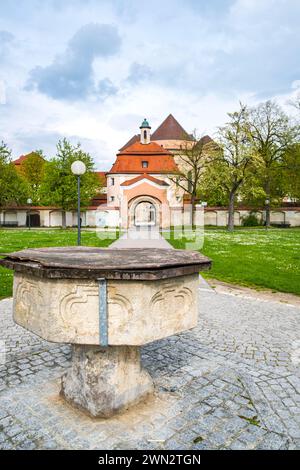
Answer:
[(231, 383)]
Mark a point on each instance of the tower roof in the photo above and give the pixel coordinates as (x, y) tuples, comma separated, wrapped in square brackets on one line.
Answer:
[(145, 124), (170, 129)]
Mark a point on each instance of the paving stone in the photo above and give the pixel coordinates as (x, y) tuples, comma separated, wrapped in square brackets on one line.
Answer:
[(237, 362)]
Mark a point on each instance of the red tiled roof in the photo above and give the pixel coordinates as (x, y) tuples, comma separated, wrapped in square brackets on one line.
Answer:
[(100, 198), (130, 160), (102, 177), (144, 176), (20, 160), (137, 148), (170, 129), (133, 164), (131, 141)]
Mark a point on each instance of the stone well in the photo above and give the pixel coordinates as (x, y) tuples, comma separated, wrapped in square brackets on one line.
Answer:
[(106, 303)]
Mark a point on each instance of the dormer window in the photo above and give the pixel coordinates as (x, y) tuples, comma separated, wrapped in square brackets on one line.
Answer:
[(144, 164)]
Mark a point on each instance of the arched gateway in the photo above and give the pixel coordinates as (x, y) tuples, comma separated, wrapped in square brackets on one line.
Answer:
[(142, 183), (144, 211)]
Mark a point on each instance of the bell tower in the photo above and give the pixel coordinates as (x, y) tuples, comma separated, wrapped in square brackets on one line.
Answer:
[(145, 132)]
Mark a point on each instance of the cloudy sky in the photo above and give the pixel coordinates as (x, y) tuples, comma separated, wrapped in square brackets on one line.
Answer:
[(91, 70)]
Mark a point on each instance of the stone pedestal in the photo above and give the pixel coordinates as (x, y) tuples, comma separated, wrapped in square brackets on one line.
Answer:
[(103, 381), (106, 303)]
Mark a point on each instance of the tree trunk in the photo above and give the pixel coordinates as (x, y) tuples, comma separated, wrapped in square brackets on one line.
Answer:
[(267, 204), (230, 225), (64, 219), (193, 203)]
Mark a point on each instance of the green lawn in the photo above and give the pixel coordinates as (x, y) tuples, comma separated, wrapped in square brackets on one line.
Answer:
[(14, 240), (254, 257)]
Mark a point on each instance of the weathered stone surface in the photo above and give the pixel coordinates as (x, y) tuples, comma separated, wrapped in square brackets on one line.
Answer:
[(139, 312), (103, 381), (91, 263)]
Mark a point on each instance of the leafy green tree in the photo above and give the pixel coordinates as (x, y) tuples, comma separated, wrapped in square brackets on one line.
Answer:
[(272, 133), (211, 188), (59, 184), (232, 165), (32, 169), (13, 189), (253, 193), (195, 156), (291, 173)]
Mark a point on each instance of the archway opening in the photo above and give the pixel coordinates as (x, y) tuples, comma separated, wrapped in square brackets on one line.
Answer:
[(144, 214)]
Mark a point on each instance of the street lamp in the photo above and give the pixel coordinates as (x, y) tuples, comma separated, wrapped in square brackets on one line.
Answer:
[(29, 202), (78, 168)]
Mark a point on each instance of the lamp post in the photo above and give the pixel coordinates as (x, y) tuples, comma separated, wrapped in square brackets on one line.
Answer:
[(78, 168), (29, 202)]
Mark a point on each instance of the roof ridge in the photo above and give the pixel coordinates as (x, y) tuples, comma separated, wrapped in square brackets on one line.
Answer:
[(137, 148), (145, 176)]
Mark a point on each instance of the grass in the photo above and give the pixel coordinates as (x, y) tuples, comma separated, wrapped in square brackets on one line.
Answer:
[(254, 421), (14, 240), (253, 257)]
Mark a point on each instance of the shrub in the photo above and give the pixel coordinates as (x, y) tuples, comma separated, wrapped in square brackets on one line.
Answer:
[(251, 220)]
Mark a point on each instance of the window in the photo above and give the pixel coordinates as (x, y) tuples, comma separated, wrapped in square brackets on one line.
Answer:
[(112, 181), (145, 135), (112, 198), (144, 164)]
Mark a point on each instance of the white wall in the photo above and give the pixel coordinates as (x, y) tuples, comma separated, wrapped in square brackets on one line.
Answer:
[(107, 218), (110, 217), (219, 217)]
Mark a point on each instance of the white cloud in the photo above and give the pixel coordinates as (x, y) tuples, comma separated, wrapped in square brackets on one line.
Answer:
[(181, 56)]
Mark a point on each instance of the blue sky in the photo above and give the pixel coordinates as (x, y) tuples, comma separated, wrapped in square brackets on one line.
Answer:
[(91, 70)]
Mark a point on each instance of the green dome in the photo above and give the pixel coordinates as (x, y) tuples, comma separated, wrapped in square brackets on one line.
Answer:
[(145, 124)]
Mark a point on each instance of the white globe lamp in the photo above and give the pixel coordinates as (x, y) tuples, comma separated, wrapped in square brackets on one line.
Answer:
[(78, 168)]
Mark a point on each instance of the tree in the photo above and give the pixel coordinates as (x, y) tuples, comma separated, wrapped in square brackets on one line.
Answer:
[(272, 134), (13, 190), (32, 169), (195, 155), (59, 184), (231, 167), (291, 176), (252, 192)]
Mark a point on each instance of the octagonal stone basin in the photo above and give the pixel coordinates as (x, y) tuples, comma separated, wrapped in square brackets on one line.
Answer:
[(150, 294), (106, 303)]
